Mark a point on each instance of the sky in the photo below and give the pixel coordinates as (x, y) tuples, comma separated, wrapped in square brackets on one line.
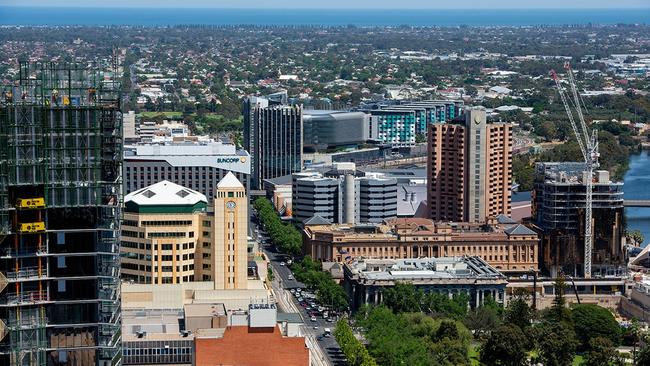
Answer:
[(340, 4)]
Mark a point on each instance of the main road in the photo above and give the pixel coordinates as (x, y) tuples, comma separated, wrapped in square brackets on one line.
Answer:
[(324, 350)]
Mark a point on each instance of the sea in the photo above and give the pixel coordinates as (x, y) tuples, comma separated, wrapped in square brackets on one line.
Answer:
[(66, 16), (637, 183)]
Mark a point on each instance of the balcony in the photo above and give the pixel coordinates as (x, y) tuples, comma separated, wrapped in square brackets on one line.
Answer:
[(25, 274), (26, 298)]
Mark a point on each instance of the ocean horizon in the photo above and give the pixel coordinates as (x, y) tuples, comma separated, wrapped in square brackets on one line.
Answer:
[(104, 16)]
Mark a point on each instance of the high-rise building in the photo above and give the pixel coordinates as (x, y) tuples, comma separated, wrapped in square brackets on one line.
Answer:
[(273, 135), (558, 213), (161, 232), (344, 195), (60, 197), (171, 235), (469, 169), (196, 165)]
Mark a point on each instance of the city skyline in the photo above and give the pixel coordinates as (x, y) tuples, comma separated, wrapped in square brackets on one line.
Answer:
[(336, 4)]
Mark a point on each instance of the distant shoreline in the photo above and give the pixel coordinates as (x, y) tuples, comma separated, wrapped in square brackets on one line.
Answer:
[(105, 16)]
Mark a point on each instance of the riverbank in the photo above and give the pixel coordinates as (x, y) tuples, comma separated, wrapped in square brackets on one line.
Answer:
[(637, 186)]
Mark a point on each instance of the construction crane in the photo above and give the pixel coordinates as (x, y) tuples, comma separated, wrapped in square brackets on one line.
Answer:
[(589, 149)]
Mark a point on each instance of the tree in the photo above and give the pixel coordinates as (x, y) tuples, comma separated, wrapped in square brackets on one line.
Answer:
[(518, 311), (635, 235), (558, 311), (482, 320), (447, 329), (557, 344), (506, 346), (440, 304), (602, 352), (592, 321), (642, 357), (402, 298), (355, 353)]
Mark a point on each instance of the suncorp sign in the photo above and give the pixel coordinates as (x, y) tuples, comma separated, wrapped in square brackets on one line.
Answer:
[(230, 160)]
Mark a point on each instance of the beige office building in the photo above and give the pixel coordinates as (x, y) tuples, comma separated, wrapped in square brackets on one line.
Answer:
[(469, 169), (171, 236)]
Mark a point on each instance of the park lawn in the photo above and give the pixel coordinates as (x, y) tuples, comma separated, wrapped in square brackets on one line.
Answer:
[(474, 355), (577, 360), (170, 115)]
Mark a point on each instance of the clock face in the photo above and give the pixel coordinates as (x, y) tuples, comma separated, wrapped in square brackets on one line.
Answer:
[(231, 204)]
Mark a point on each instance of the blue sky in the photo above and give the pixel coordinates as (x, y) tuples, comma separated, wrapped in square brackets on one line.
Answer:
[(341, 4)]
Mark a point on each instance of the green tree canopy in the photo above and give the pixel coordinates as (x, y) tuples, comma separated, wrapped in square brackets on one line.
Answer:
[(518, 311), (506, 346), (557, 344), (602, 352), (592, 321)]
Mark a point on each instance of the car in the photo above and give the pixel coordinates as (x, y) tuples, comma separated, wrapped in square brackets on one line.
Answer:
[(290, 277), (293, 291), (313, 318), (315, 327), (303, 304), (330, 320), (320, 338), (282, 263)]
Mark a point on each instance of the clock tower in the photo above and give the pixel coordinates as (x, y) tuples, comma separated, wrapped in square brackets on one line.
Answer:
[(229, 235)]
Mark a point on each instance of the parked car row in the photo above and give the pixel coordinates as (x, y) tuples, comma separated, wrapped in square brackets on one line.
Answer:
[(307, 300)]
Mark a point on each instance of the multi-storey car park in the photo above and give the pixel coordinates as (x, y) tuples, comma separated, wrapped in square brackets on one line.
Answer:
[(60, 193)]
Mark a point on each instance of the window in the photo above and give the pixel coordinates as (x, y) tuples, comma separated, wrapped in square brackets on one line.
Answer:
[(168, 235)]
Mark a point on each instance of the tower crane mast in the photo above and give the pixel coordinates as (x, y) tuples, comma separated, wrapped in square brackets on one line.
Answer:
[(588, 147)]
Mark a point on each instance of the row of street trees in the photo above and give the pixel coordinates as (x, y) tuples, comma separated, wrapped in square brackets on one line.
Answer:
[(327, 290), (286, 237)]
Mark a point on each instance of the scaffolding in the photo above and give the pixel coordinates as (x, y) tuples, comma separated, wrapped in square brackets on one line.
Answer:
[(60, 197)]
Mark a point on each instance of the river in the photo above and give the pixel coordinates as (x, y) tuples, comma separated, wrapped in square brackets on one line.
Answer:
[(637, 186)]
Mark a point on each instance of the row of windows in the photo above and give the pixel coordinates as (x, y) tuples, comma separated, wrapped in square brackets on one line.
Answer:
[(167, 223), (170, 235), (169, 258), (132, 234), (147, 246)]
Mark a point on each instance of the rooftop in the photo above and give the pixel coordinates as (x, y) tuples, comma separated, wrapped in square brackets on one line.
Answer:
[(423, 269), (229, 181), (165, 193), (395, 228)]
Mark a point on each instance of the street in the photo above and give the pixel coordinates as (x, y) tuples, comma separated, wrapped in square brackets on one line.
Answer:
[(325, 351)]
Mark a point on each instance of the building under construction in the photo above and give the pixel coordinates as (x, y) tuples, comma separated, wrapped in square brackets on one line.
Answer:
[(60, 192), (558, 213)]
